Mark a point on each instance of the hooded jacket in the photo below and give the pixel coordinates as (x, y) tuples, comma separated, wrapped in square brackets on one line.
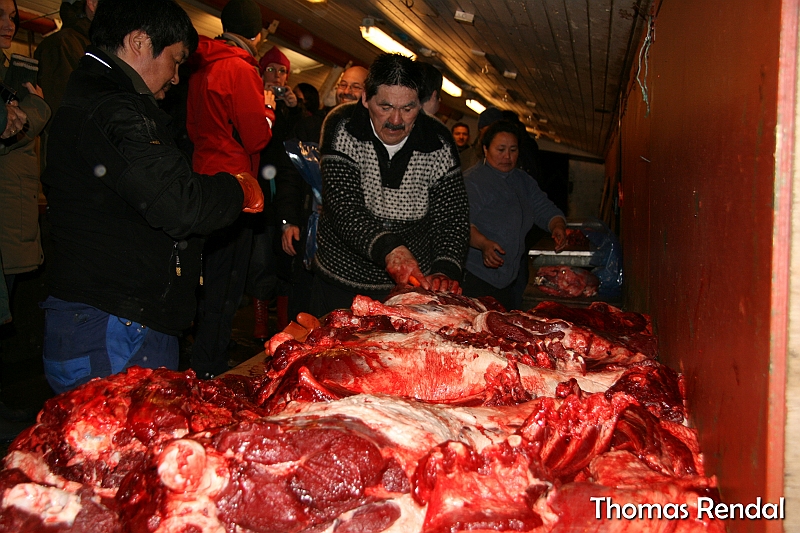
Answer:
[(126, 211), (226, 117)]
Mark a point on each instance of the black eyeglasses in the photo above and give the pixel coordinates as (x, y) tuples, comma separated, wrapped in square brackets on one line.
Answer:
[(343, 85)]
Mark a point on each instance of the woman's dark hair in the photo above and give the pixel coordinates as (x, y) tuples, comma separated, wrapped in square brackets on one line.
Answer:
[(393, 69), (310, 97), (164, 21), (500, 126), (16, 18)]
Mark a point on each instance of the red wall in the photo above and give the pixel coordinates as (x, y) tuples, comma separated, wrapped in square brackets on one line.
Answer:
[(697, 220)]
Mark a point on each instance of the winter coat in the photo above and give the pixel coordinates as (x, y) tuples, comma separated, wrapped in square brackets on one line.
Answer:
[(20, 243), (126, 211), (226, 117)]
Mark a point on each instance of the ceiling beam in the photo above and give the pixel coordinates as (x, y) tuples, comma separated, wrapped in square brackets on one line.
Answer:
[(294, 34), (36, 23)]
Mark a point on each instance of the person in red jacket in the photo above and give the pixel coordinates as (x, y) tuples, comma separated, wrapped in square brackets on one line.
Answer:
[(229, 121)]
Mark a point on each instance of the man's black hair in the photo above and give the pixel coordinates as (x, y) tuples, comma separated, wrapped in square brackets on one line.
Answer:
[(499, 126), (459, 125), (164, 21), (431, 81), (393, 69)]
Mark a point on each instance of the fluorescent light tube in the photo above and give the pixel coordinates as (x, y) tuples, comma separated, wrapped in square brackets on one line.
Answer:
[(381, 40), (450, 88), (476, 106)]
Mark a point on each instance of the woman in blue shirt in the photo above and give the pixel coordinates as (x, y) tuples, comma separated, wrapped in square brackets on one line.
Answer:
[(504, 203)]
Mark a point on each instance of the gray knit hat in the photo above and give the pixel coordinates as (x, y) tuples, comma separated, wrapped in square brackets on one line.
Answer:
[(242, 17)]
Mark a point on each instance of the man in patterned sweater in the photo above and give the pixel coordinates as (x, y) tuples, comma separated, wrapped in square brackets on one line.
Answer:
[(395, 208)]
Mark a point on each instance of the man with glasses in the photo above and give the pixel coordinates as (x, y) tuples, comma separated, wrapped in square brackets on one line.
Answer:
[(351, 85)]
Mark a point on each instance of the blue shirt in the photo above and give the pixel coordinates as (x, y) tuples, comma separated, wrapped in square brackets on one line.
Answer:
[(504, 206)]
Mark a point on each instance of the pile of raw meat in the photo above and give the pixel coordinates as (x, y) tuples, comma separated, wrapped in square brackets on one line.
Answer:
[(425, 413)]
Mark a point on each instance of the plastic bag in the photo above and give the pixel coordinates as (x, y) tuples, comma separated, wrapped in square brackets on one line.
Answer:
[(606, 259), (305, 157)]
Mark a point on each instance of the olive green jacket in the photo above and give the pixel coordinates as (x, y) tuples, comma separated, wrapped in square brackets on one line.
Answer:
[(20, 243)]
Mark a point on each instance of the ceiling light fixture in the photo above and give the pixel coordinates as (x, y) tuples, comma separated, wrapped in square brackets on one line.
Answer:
[(510, 74), (476, 106), (463, 16), (451, 88), (381, 40)]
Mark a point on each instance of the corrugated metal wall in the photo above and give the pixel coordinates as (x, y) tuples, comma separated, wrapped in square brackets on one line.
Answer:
[(698, 177)]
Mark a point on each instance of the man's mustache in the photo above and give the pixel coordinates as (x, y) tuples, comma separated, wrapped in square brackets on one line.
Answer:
[(345, 96), (394, 127)]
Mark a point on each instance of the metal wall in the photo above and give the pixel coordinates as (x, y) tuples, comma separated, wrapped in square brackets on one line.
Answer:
[(697, 225)]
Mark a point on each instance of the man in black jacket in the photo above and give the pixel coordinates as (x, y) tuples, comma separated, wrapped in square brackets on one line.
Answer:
[(127, 212)]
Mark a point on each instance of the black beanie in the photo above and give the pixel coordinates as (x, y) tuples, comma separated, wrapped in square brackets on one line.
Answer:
[(242, 17)]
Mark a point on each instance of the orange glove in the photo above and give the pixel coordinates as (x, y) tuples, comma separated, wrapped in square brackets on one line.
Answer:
[(253, 197)]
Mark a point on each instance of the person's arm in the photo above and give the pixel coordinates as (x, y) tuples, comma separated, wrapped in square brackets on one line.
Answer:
[(36, 113), (490, 250), (153, 176), (547, 215), (253, 110)]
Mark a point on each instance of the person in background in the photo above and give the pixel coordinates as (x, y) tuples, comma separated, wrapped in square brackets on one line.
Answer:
[(309, 127), (268, 275), (351, 85), (126, 210), (20, 239), (59, 53), (470, 157), (504, 202), (431, 92), (12, 119), (460, 133), (395, 211), (294, 202), (229, 120)]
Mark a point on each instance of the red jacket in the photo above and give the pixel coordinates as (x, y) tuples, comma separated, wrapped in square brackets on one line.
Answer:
[(226, 94)]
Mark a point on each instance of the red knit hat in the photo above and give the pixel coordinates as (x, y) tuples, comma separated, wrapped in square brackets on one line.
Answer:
[(274, 55)]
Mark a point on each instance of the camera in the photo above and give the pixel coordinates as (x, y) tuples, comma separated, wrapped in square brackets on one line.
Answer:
[(279, 91), (7, 94)]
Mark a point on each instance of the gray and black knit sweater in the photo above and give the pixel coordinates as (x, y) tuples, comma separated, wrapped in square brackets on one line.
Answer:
[(372, 204)]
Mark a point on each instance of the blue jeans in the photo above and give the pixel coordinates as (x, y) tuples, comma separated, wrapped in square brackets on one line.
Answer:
[(82, 342)]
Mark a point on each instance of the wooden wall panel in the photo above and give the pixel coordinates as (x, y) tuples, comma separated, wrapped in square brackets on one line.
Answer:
[(698, 238)]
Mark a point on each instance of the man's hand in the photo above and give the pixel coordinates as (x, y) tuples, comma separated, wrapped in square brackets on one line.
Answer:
[(441, 283), (16, 121), (401, 266), (558, 230), (253, 197), (290, 233)]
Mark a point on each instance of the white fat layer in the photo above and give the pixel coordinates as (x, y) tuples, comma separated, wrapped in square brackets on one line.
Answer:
[(53, 505)]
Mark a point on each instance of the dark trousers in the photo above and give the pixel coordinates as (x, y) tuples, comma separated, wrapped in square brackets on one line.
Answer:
[(226, 256), (262, 276), (325, 297), (475, 287)]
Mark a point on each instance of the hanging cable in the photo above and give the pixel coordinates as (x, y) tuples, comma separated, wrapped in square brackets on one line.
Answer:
[(644, 52)]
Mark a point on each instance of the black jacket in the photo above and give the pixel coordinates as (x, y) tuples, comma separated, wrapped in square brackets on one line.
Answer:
[(127, 212)]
